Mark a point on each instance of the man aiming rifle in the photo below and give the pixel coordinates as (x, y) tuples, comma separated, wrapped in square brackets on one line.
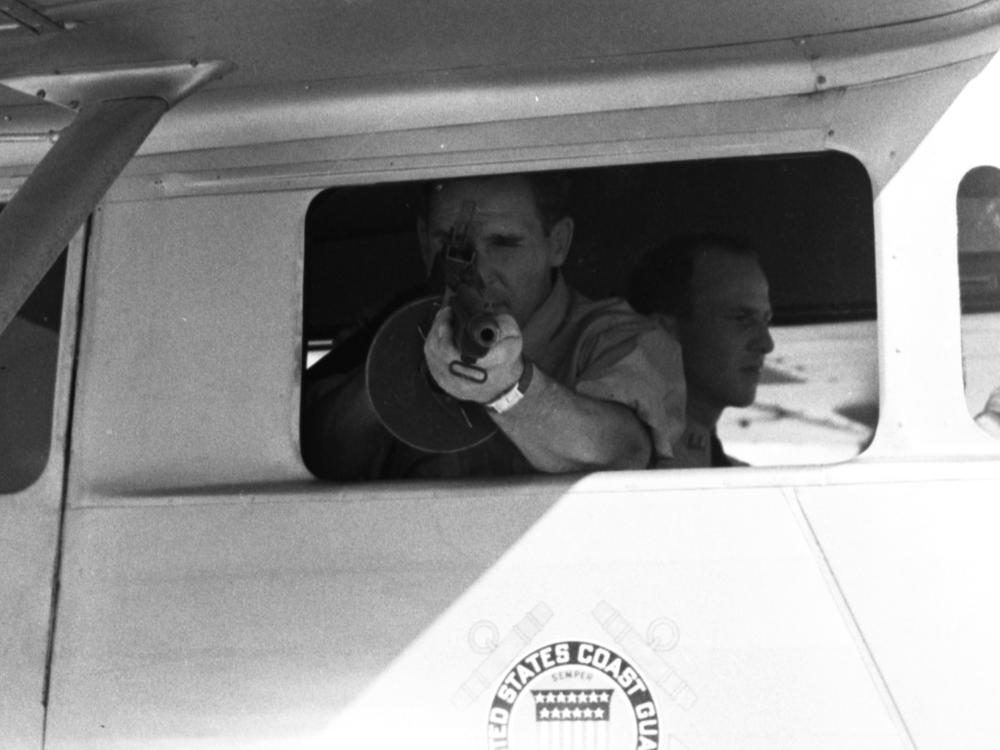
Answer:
[(570, 383)]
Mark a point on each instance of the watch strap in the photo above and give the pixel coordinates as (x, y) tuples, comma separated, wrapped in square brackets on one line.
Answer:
[(506, 400)]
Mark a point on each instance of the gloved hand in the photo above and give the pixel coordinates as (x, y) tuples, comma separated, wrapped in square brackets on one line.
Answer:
[(498, 370)]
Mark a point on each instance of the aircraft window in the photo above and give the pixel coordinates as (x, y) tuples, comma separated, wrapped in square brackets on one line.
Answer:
[(979, 269), (29, 349), (809, 217)]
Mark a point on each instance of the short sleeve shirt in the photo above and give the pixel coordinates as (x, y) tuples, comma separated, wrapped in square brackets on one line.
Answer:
[(698, 448), (602, 349)]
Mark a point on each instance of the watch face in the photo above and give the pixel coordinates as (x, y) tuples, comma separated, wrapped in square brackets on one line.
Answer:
[(507, 400)]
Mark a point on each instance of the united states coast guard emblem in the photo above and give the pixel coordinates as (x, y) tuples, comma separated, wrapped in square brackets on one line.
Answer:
[(573, 695)]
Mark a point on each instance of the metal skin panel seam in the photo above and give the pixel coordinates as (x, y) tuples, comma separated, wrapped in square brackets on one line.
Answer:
[(850, 620)]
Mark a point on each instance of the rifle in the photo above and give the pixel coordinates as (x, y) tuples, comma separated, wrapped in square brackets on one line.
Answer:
[(407, 401), (474, 321)]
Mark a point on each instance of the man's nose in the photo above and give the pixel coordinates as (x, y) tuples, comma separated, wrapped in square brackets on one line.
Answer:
[(484, 260), (762, 341)]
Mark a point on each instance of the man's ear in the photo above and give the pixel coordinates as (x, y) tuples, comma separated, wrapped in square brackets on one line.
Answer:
[(666, 322), (426, 252), (560, 238)]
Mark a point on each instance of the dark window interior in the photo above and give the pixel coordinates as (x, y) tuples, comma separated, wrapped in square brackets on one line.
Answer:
[(810, 216), (978, 209), (979, 239), (29, 350)]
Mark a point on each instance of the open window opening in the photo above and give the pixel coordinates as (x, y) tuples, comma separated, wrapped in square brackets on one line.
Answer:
[(978, 206), (29, 349), (807, 219)]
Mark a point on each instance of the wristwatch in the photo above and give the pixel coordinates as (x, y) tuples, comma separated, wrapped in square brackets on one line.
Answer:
[(506, 400)]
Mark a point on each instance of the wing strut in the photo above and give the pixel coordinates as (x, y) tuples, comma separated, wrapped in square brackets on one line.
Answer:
[(118, 109)]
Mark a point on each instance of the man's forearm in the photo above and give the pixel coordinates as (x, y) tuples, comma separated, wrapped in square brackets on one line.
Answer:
[(557, 429), (561, 431)]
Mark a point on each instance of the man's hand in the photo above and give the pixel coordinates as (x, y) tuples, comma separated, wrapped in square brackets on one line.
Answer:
[(502, 364)]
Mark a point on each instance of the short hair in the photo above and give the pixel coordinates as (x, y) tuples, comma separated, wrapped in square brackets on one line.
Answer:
[(551, 191), (661, 282)]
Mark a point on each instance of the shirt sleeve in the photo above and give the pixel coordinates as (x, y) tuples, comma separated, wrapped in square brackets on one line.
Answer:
[(627, 358)]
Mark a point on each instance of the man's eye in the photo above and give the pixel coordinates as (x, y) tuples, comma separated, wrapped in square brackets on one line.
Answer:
[(506, 241), (747, 319)]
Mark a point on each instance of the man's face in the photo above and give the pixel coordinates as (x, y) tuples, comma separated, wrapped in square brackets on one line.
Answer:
[(515, 255), (726, 337)]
